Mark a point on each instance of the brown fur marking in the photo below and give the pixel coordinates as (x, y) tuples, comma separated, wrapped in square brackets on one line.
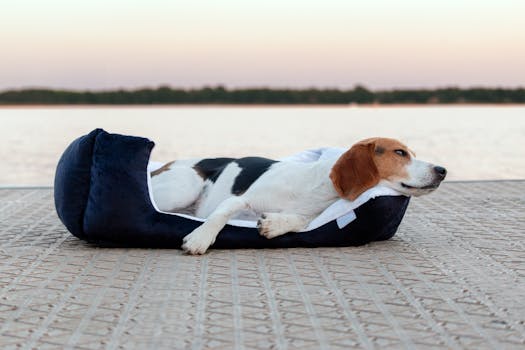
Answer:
[(355, 171), (162, 169), (366, 163)]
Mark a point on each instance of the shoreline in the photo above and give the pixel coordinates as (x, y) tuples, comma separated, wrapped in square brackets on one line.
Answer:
[(253, 105)]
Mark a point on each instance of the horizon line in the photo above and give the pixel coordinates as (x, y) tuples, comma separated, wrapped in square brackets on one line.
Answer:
[(264, 87)]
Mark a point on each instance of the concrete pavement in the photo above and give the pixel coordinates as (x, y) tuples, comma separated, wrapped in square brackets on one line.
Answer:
[(452, 278)]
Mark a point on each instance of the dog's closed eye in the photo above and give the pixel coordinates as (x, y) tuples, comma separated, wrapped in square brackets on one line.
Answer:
[(401, 152)]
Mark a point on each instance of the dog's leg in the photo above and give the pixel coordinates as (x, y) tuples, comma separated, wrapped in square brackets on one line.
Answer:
[(271, 225), (203, 236)]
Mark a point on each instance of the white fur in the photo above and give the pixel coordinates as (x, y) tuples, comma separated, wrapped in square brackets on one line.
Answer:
[(420, 175), (273, 224), (203, 236)]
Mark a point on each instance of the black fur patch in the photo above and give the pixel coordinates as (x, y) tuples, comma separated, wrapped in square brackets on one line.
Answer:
[(211, 168), (252, 169)]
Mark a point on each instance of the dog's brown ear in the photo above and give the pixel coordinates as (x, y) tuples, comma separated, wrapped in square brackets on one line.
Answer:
[(355, 171)]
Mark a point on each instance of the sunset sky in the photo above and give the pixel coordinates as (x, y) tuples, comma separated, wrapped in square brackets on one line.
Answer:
[(99, 44)]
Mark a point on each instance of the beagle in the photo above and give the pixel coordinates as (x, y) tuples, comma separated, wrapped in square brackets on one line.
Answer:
[(285, 195)]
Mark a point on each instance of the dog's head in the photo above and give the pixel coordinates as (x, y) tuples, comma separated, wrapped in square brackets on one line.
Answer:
[(387, 161)]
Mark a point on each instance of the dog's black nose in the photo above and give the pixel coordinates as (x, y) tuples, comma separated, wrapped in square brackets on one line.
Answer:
[(440, 171)]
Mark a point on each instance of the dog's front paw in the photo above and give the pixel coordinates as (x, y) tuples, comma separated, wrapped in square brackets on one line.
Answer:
[(197, 242), (269, 226)]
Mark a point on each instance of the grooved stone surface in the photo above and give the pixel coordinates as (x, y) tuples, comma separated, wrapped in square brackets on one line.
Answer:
[(453, 277)]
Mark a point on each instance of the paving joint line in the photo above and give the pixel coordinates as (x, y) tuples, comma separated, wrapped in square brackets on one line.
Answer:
[(347, 310), (201, 305), (129, 304), (270, 295), (307, 303), (236, 301)]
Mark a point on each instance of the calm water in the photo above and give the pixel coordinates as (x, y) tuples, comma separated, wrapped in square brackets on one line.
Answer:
[(472, 142)]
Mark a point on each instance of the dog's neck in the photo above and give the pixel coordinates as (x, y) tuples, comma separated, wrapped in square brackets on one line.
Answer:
[(322, 169)]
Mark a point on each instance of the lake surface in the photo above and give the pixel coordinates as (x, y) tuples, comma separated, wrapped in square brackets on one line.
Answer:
[(472, 142)]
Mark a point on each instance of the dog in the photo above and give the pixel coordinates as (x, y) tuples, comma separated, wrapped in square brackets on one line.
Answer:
[(285, 195)]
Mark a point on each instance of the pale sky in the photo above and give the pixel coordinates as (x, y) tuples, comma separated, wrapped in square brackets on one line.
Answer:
[(97, 44)]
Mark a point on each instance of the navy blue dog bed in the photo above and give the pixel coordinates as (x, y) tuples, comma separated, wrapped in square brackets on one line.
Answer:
[(102, 196)]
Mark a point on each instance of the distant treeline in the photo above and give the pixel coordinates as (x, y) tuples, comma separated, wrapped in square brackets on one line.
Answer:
[(221, 95)]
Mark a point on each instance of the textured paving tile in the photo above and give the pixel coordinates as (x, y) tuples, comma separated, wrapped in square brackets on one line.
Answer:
[(453, 277)]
